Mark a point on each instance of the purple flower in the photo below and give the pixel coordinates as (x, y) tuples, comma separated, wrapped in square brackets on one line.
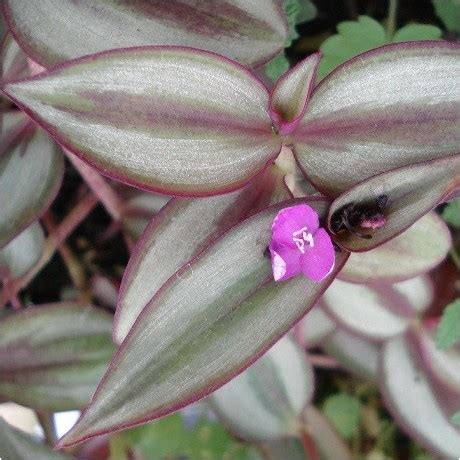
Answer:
[(299, 245)]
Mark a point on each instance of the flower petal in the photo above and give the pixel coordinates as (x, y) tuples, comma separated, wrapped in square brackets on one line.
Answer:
[(318, 261), (285, 262), (292, 219)]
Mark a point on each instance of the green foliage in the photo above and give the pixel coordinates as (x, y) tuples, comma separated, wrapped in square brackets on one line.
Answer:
[(276, 67), (456, 418), (417, 32), (355, 37), (451, 213), (448, 332), (297, 11), (170, 439), (449, 13), (344, 411)]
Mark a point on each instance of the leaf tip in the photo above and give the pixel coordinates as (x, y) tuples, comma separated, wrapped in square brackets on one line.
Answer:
[(77, 434)]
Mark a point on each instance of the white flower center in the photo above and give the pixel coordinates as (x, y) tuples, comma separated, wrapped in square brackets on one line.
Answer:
[(302, 236)]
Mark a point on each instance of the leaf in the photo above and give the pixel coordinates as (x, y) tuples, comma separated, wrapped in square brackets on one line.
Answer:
[(456, 418), (419, 249), (411, 192), (52, 356), (316, 326), (297, 11), (449, 12), (22, 253), (442, 364), (265, 402), (31, 170), (172, 120), (354, 37), (307, 11), (13, 60), (330, 444), (377, 311), (451, 213), (180, 231), (289, 97), (276, 67), (198, 331), (51, 31), (355, 353), (171, 438), (448, 332), (412, 403), (413, 32), (16, 445), (388, 108), (292, 9), (344, 411), (282, 450), (139, 210)]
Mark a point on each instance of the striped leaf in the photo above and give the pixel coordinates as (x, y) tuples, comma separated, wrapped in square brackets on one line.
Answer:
[(13, 60), (54, 31), (412, 402), (182, 229), (411, 191), (418, 250), (316, 327), (289, 98), (16, 445), (173, 120), (208, 322), (387, 108), (357, 354), (31, 170), (444, 365), (330, 444), (377, 311), (265, 401), (52, 356), (138, 211), (22, 253)]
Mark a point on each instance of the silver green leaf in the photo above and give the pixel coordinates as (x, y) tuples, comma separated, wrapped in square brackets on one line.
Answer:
[(265, 401), (17, 445), (31, 170), (54, 31), (53, 356), (22, 253), (210, 321)]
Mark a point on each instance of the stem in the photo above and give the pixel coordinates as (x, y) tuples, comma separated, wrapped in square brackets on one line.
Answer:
[(74, 268), (54, 241), (46, 420), (324, 361), (391, 22), (100, 187), (309, 446)]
